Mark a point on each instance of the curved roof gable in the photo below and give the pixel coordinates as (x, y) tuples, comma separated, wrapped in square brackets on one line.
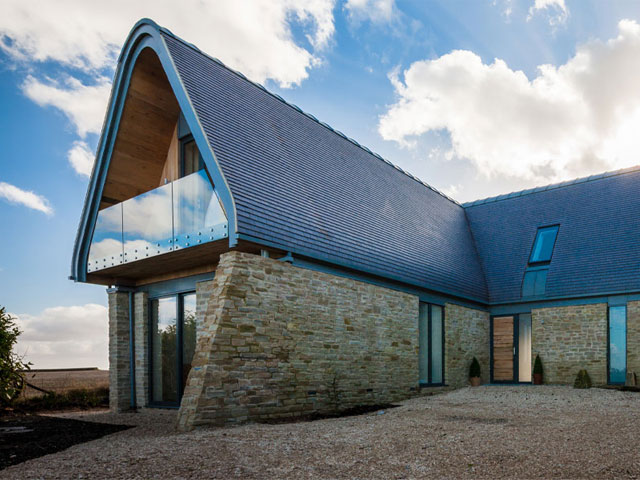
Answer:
[(300, 186)]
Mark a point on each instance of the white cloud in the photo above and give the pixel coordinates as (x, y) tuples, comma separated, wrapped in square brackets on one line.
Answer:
[(575, 119), (376, 11), (29, 199), (84, 105), (556, 11), (254, 36), (81, 158), (65, 337)]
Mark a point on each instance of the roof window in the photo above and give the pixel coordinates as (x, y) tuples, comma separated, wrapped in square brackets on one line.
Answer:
[(543, 244)]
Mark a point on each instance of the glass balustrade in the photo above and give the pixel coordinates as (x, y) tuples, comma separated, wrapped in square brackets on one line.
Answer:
[(180, 214)]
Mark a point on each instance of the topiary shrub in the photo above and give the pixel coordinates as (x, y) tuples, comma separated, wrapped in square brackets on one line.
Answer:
[(537, 366), (583, 380), (474, 368)]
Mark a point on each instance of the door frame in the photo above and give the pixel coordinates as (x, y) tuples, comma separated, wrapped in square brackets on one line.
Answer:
[(516, 347)]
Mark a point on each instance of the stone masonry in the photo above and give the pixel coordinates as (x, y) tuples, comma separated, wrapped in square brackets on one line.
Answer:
[(466, 336), (569, 339), (633, 337), (279, 340), (119, 366), (141, 347)]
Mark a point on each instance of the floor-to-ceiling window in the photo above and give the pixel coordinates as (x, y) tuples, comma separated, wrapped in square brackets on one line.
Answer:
[(431, 344), (172, 345), (617, 344)]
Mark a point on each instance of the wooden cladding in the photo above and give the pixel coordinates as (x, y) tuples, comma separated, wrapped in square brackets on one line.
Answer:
[(503, 348), (146, 129)]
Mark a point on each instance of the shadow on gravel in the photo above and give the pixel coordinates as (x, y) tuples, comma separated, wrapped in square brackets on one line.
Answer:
[(349, 412), (23, 437)]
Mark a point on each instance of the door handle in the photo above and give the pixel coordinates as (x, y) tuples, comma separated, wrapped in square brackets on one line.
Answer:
[(514, 351)]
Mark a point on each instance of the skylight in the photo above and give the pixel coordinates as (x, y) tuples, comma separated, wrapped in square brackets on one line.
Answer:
[(543, 244)]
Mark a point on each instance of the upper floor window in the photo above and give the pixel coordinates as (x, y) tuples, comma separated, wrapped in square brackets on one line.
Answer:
[(543, 244), (190, 158)]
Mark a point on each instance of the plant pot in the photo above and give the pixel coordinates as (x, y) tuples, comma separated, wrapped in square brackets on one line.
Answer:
[(475, 381), (537, 379)]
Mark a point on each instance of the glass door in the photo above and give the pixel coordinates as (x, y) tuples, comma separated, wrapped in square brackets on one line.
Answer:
[(172, 346), (617, 333), (431, 344)]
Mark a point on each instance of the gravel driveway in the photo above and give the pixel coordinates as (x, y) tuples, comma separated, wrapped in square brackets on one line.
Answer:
[(486, 432)]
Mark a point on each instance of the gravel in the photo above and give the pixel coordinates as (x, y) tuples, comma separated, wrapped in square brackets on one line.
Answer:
[(485, 432)]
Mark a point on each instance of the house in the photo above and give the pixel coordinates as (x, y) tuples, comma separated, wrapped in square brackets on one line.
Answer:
[(261, 264)]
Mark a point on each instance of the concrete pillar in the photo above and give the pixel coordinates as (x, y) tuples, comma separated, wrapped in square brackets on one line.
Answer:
[(119, 366)]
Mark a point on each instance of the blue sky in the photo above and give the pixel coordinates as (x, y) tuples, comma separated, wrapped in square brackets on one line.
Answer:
[(452, 91)]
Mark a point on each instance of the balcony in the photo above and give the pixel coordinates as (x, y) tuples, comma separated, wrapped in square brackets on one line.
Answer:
[(181, 214)]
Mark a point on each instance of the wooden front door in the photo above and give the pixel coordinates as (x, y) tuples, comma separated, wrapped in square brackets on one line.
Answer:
[(503, 349)]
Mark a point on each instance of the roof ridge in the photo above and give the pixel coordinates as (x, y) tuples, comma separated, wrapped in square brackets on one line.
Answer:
[(552, 186), (308, 115)]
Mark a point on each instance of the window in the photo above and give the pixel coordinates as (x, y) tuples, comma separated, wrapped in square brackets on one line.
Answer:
[(172, 343), (535, 277), (431, 344), (190, 158), (617, 348), (543, 244), (534, 282)]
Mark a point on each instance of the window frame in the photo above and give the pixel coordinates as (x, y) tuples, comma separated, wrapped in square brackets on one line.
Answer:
[(179, 297), (429, 382), (535, 240)]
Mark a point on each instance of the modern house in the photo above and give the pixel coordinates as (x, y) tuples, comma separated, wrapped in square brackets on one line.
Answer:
[(261, 264)]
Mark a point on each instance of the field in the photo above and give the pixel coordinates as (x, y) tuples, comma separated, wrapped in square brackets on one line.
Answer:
[(61, 381)]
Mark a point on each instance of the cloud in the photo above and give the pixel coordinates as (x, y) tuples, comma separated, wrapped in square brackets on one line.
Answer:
[(376, 11), (84, 105), (555, 9), (81, 158), (65, 337), (29, 199), (578, 118), (254, 36)]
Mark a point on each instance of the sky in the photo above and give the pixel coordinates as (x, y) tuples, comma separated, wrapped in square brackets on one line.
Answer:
[(476, 97)]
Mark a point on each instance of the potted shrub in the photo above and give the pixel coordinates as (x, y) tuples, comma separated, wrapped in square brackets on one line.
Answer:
[(537, 371), (474, 373)]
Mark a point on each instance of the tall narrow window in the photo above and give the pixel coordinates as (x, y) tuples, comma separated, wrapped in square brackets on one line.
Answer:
[(190, 161), (617, 344), (431, 344)]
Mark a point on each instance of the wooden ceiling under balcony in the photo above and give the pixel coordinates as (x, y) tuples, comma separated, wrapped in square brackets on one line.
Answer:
[(148, 120)]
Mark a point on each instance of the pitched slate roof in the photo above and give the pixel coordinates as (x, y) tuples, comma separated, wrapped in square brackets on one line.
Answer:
[(299, 185), (598, 244)]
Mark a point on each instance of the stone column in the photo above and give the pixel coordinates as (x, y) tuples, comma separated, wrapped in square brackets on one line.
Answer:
[(141, 347), (119, 367)]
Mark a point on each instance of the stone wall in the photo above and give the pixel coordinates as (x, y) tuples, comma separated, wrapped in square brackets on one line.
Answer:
[(633, 337), (119, 366), (279, 340), (141, 347), (569, 339), (466, 336)]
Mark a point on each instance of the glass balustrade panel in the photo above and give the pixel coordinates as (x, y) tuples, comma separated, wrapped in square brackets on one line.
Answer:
[(198, 216), (147, 224), (106, 246)]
